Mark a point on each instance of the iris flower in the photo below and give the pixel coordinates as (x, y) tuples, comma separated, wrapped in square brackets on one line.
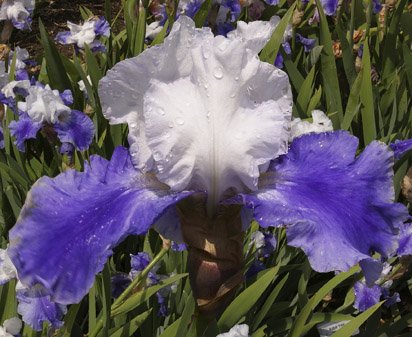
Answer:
[(206, 117)]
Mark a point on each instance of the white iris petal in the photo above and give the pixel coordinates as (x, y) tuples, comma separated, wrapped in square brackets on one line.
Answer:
[(204, 112)]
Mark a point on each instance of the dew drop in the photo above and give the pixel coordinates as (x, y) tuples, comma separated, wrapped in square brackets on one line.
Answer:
[(218, 73), (180, 121), (161, 111)]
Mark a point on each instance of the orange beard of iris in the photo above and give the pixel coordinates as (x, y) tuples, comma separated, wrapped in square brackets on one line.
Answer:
[(215, 247)]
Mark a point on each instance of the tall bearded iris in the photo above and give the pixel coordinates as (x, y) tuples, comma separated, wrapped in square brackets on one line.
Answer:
[(208, 123)]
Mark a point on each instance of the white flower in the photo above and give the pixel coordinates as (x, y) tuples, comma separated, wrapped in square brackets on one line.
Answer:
[(153, 29), (7, 269), (17, 10), (8, 89), (239, 330), (204, 112), (22, 54), (321, 123), (44, 105), (81, 34)]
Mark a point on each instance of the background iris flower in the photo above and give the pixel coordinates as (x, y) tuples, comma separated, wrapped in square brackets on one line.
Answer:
[(209, 123)]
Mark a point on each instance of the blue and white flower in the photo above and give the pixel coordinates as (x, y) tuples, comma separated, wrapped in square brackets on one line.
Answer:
[(18, 12), (205, 115), (87, 33)]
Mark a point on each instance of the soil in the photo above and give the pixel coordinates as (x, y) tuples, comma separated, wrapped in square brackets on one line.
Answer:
[(54, 14)]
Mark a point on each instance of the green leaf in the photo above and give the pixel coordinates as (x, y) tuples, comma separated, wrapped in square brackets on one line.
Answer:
[(172, 329), (271, 49), (55, 67), (305, 93), (349, 328), (258, 318), (353, 105), (366, 98), (202, 14), (328, 65), (130, 327), (247, 299), (299, 324), (187, 315), (138, 298)]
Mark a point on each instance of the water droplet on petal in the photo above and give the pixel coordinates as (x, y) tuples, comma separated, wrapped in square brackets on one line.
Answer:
[(161, 111), (180, 121), (218, 73)]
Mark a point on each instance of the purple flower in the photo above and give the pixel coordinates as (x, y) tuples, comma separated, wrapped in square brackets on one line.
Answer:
[(401, 147), (308, 44), (366, 297), (329, 6)]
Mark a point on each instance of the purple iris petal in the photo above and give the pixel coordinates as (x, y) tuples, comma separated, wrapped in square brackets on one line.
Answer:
[(279, 61), (234, 8), (192, 7), (366, 297), (97, 46), (287, 48), (1, 138), (337, 208), (256, 267), (391, 300), (307, 43), (401, 147), (139, 261), (78, 130), (69, 224), (102, 27), (376, 6), (329, 6), (372, 270), (62, 37), (9, 101), (21, 75), (178, 247), (405, 240), (67, 97), (67, 149), (24, 129), (119, 283), (224, 28), (162, 303), (23, 25), (272, 2), (37, 308)]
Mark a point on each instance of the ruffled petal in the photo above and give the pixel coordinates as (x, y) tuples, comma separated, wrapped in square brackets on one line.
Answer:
[(36, 308), (401, 147), (202, 103), (337, 207), (366, 297), (23, 129), (69, 224), (405, 240), (77, 130)]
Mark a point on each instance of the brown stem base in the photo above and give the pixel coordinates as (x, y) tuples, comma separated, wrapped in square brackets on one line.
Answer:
[(215, 247)]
